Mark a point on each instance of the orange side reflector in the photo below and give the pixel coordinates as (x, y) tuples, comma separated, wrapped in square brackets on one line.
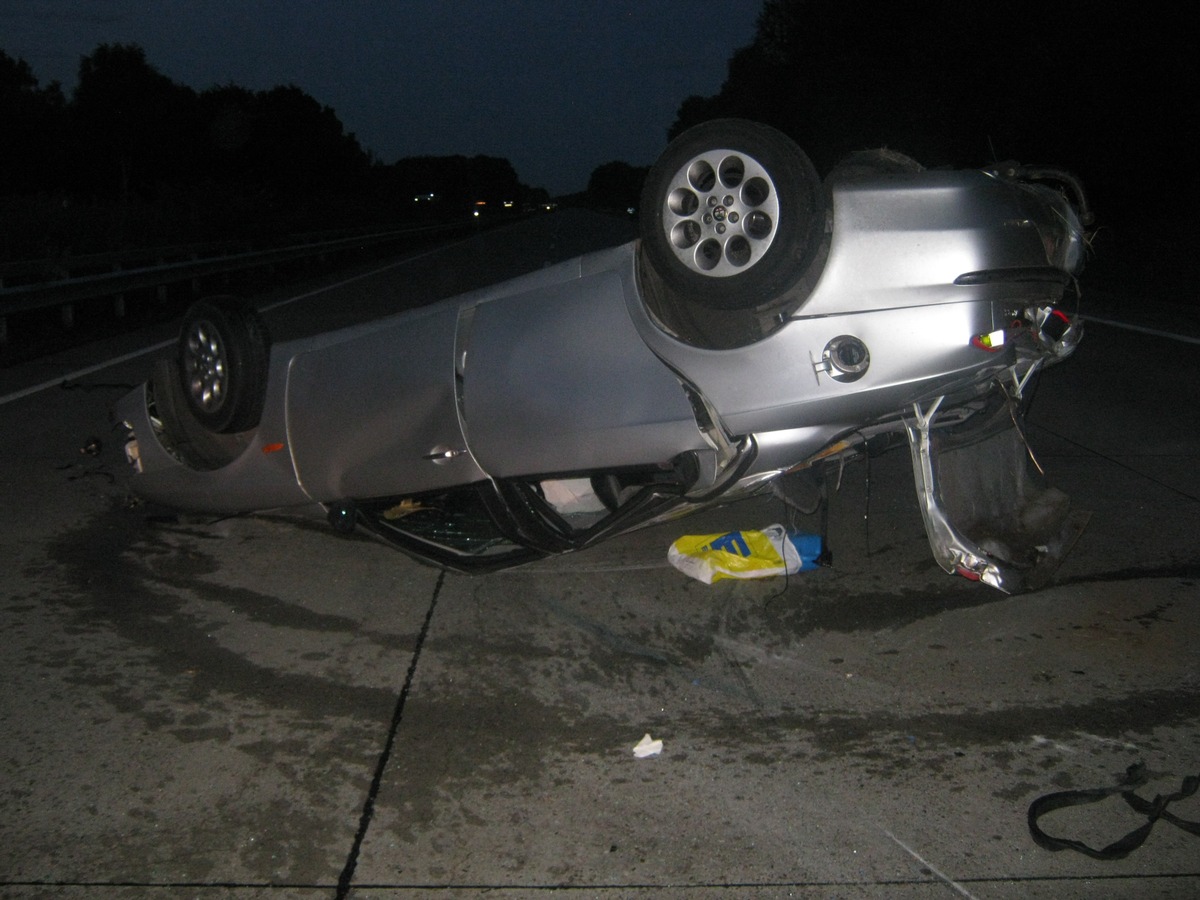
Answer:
[(273, 448)]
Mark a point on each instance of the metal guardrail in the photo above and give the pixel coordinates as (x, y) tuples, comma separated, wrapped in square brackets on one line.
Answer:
[(32, 271), (64, 293)]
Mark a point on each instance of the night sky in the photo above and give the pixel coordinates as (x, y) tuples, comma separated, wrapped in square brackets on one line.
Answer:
[(557, 87)]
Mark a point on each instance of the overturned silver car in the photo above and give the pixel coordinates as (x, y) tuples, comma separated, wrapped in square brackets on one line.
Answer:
[(765, 326)]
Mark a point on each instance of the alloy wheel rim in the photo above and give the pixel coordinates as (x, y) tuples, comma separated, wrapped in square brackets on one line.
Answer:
[(721, 213), (206, 366)]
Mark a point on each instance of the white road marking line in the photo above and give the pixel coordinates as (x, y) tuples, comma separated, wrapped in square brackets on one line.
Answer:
[(932, 868), (1143, 329), (359, 277), (80, 373), (154, 348)]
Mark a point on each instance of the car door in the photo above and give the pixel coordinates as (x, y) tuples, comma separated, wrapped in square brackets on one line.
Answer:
[(375, 415), (557, 380)]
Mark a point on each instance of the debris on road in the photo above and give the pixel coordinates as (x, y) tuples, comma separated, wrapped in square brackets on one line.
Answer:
[(745, 554), (647, 746)]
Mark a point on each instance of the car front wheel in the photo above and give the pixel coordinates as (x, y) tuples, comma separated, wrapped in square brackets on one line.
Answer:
[(223, 353)]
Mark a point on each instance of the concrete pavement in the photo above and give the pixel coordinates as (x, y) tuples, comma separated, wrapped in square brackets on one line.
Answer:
[(256, 707)]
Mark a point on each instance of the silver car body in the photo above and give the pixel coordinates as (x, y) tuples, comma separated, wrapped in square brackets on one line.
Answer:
[(566, 373)]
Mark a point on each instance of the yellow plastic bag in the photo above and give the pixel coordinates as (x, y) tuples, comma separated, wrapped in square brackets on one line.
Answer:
[(744, 554)]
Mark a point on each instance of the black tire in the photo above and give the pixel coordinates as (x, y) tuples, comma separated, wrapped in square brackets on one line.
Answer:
[(868, 163), (187, 439), (732, 214), (223, 356)]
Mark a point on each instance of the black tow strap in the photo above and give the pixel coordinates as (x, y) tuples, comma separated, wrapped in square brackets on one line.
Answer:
[(1154, 810)]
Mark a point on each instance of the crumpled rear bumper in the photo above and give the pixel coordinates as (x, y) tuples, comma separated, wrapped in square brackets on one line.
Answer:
[(989, 514)]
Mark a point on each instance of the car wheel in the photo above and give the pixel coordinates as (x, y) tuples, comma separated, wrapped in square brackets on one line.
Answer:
[(880, 161), (732, 214), (183, 436), (223, 352)]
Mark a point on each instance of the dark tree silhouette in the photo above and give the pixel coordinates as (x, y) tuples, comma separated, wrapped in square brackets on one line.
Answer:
[(132, 127), (34, 130), (1096, 87), (616, 185), (136, 159), (299, 145)]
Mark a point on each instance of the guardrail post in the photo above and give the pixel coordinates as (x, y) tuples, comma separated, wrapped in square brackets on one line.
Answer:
[(160, 292), (3, 330), (118, 299), (66, 313)]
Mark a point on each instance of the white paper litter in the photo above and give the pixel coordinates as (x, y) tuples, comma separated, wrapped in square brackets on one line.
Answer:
[(647, 746)]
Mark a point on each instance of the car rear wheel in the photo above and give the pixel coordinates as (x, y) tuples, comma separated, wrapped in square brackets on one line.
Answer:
[(732, 214), (223, 353)]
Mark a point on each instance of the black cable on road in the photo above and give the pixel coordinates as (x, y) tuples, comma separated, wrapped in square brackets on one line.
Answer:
[(364, 821)]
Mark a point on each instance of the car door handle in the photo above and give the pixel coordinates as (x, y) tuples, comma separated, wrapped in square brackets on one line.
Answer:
[(441, 454)]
